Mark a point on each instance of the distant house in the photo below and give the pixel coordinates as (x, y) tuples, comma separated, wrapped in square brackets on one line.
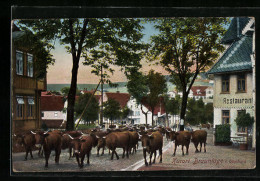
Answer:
[(26, 87), (52, 110)]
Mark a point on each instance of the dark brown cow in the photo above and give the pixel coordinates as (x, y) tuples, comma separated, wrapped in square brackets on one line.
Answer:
[(117, 140), (66, 140), (133, 143), (181, 138), (27, 140), (151, 142), (52, 141), (168, 130), (101, 144), (83, 147), (199, 137)]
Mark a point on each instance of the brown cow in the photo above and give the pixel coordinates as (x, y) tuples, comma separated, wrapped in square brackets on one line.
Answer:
[(101, 144), (199, 137), (167, 131), (52, 141), (83, 147), (181, 138), (133, 143), (117, 140), (27, 140), (152, 142), (66, 140), (205, 126)]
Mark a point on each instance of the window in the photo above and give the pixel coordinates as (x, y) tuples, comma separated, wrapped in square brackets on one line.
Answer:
[(55, 114), (225, 84), (19, 106), (29, 65), (241, 129), (137, 113), (19, 63), (30, 107), (225, 117), (42, 114), (241, 83)]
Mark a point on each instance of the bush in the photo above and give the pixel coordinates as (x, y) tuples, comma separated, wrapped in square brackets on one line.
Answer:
[(84, 126), (222, 133), (244, 120)]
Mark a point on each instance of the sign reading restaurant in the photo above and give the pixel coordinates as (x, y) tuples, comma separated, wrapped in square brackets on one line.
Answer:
[(237, 101)]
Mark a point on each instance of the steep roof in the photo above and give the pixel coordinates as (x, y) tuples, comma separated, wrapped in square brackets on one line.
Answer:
[(201, 89), (236, 58), (122, 98), (51, 103), (235, 29)]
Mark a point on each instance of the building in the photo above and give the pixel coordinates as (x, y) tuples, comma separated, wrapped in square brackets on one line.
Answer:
[(202, 92), (26, 86), (52, 110), (233, 77)]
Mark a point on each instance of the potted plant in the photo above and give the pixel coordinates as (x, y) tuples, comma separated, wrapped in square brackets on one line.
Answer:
[(244, 120)]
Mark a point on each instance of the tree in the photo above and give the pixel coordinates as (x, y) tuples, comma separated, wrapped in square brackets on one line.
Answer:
[(116, 41), (171, 106), (112, 110), (209, 113), (91, 114), (125, 112), (147, 89), (185, 47), (137, 88)]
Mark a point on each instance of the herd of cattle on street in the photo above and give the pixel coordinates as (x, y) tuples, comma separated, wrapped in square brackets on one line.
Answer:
[(81, 142)]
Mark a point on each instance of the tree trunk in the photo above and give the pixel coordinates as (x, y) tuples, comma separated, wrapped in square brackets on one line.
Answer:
[(71, 96), (183, 108), (166, 120), (152, 117)]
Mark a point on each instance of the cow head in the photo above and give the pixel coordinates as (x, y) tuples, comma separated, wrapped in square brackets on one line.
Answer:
[(101, 141), (146, 142)]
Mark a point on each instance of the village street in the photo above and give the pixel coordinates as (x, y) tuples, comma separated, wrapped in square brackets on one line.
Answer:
[(216, 157)]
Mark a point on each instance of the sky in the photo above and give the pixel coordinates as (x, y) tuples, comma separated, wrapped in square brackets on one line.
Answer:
[(60, 72)]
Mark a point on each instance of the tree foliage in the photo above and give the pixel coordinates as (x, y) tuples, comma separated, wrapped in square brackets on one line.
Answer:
[(112, 110), (187, 46), (244, 120), (100, 42), (91, 113)]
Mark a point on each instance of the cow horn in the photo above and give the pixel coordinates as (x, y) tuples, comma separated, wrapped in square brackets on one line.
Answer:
[(168, 131), (14, 134), (70, 137), (46, 132), (104, 137), (97, 136), (33, 132)]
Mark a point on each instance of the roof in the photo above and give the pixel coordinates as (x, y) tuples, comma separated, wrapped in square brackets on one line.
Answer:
[(52, 103), (158, 108), (121, 98), (235, 29), (236, 58), (201, 89)]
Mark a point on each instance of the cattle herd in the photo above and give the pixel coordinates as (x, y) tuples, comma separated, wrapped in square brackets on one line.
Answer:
[(80, 143)]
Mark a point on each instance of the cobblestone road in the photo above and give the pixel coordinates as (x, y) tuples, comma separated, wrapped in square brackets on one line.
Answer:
[(216, 157)]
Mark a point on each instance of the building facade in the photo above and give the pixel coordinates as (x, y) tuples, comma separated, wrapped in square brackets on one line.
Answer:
[(234, 79), (25, 87)]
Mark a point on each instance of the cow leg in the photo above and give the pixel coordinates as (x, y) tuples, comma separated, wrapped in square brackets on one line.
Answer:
[(182, 150), (200, 146), (47, 156), (82, 161), (112, 156), (70, 150), (196, 146), (116, 154), (154, 156), (127, 152), (26, 154), (144, 154), (160, 152), (31, 153), (187, 149), (57, 155), (205, 147), (39, 152), (175, 147), (88, 157), (103, 151), (151, 154), (123, 156), (98, 151)]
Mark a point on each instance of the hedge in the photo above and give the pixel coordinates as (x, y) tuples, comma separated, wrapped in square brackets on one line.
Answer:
[(222, 134)]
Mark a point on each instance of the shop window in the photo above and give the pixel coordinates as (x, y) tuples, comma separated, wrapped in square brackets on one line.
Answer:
[(19, 63), (225, 116), (241, 129), (29, 65), (225, 84), (19, 107), (241, 83)]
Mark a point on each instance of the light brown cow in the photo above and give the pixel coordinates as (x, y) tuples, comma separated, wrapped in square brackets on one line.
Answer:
[(199, 137), (181, 138)]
